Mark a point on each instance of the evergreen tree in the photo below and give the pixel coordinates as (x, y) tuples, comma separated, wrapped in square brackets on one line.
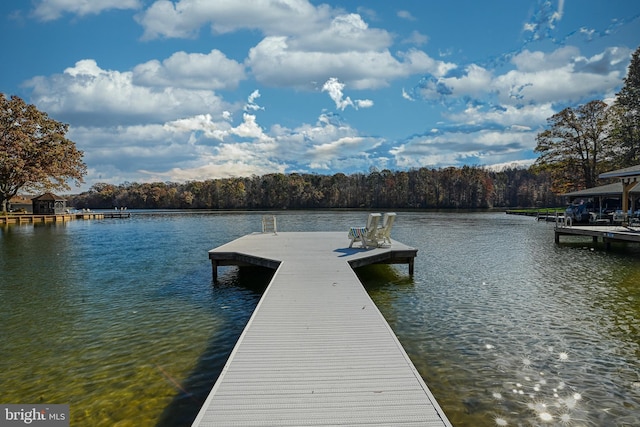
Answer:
[(626, 118)]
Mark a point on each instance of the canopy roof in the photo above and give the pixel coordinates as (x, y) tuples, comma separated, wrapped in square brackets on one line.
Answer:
[(614, 189), (622, 173), (50, 197)]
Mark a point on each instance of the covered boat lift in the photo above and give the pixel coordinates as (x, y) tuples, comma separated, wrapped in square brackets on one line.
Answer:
[(629, 182)]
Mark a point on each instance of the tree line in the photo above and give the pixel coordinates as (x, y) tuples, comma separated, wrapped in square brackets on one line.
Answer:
[(468, 187)]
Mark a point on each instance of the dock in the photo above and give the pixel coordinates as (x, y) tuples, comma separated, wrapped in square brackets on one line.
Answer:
[(607, 233), (38, 218), (316, 350)]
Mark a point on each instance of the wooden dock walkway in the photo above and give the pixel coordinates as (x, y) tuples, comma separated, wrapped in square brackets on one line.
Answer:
[(316, 351), (608, 233)]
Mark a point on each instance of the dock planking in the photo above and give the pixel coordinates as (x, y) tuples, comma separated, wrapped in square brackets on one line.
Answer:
[(316, 350)]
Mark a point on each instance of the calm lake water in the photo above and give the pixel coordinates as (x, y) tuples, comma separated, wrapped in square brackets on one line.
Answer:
[(120, 319)]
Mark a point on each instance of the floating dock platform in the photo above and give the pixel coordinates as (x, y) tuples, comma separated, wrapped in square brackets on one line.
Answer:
[(607, 233), (316, 350)]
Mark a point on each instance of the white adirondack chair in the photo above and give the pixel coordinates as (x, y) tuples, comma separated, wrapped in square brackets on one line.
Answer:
[(368, 235), (384, 232)]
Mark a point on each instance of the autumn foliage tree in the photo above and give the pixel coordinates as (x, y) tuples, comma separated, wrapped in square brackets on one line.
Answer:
[(35, 155), (576, 147)]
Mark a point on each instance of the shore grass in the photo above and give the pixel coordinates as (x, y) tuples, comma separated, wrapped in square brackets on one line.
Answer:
[(536, 211)]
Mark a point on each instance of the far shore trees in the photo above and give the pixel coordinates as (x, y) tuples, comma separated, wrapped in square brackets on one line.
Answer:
[(469, 187), (35, 155)]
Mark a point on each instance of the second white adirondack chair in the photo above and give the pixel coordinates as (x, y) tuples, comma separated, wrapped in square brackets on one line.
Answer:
[(384, 232)]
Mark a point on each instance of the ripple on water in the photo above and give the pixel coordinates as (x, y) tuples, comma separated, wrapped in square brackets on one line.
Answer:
[(506, 327)]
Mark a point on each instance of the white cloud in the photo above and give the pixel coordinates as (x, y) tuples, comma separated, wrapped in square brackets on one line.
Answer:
[(251, 102), (50, 10), (185, 149), (303, 44), (559, 76), (205, 147), (250, 129), (559, 85), (179, 150), (527, 61), (274, 63), (526, 117), (345, 33), (334, 88), (405, 14), (513, 164), (544, 20), (128, 149), (476, 81), (406, 96), (203, 123), (557, 16), (332, 146), (364, 103), (458, 148), (90, 95), (217, 168), (184, 18), (416, 38), (191, 70)]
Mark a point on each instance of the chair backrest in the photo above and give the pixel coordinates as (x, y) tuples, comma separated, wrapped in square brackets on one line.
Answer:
[(387, 219), (373, 220), (269, 224), (387, 223)]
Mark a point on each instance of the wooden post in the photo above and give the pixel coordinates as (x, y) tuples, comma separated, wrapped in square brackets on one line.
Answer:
[(627, 185), (214, 270), (411, 260)]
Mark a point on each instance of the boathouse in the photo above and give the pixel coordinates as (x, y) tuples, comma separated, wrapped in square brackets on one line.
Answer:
[(20, 204), (628, 180), (49, 204), (606, 197), (623, 227), (623, 195)]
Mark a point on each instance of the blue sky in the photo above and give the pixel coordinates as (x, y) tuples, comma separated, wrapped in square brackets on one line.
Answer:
[(192, 90)]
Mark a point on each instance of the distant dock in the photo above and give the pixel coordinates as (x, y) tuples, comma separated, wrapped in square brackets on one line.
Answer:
[(40, 218), (316, 350)]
